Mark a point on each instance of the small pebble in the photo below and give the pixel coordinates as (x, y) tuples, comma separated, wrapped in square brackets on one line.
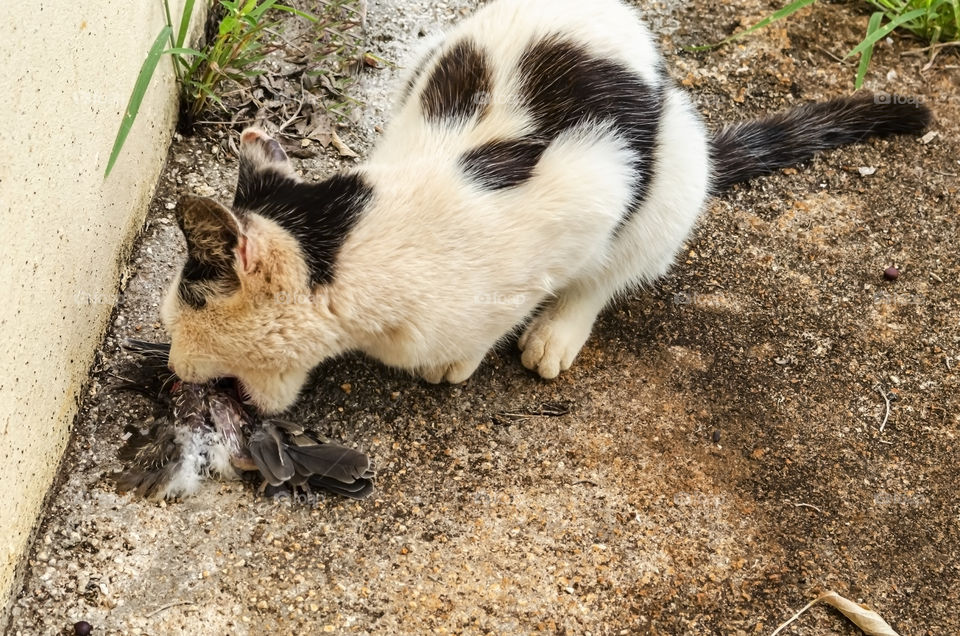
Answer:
[(82, 628), (716, 437), (891, 273)]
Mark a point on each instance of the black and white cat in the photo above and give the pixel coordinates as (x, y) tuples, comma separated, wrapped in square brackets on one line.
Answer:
[(540, 163)]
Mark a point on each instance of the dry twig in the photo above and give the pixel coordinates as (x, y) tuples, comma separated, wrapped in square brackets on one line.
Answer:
[(886, 416), (168, 606), (869, 621), (811, 506)]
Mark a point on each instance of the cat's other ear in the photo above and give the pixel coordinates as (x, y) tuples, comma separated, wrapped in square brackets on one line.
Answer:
[(259, 152), (255, 141), (211, 230), (265, 170)]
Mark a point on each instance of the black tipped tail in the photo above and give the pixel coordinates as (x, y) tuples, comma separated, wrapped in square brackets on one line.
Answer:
[(749, 149)]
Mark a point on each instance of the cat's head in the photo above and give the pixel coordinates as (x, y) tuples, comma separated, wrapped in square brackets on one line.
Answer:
[(254, 300), (234, 309)]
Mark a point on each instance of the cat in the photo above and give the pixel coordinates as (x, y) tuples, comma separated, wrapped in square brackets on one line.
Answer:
[(540, 163)]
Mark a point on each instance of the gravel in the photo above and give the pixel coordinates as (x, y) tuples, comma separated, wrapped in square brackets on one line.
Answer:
[(721, 462)]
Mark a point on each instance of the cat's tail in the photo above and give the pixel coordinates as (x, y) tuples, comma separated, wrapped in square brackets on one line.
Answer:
[(752, 148)]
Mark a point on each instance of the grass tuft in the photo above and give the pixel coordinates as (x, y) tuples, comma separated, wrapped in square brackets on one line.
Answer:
[(239, 35), (932, 21)]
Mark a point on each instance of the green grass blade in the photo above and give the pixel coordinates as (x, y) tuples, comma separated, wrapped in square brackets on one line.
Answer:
[(166, 13), (875, 20), (227, 25), (184, 50), (257, 13), (785, 12), (184, 22), (885, 30), (298, 12), (136, 97)]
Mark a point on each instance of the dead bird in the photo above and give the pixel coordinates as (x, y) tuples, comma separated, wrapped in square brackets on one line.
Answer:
[(208, 430)]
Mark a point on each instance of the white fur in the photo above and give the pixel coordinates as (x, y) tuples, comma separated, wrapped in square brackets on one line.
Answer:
[(438, 270)]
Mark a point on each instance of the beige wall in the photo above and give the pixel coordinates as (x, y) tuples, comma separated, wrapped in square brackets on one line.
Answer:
[(67, 70)]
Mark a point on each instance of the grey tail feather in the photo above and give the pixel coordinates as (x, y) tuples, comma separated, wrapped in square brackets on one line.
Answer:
[(285, 454), (360, 489), (331, 460), (269, 452), (752, 148)]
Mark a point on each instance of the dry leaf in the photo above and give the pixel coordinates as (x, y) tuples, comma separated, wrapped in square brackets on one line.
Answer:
[(869, 621), (341, 147), (319, 128)]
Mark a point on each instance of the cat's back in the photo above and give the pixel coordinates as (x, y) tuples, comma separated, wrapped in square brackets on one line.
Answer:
[(608, 29), (485, 79)]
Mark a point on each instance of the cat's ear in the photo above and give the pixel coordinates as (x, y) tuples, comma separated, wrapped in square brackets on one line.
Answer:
[(211, 230), (264, 168), (257, 145), (260, 153)]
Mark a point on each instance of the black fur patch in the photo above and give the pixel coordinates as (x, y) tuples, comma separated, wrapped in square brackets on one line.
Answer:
[(459, 86), (319, 215), (564, 87), (749, 149), (503, 164)]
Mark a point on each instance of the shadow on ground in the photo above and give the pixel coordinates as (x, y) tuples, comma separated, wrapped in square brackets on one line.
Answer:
[(721, 462)]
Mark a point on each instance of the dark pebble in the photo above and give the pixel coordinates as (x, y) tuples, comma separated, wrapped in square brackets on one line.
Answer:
[(716, 437), (82, 628), (891, 273)]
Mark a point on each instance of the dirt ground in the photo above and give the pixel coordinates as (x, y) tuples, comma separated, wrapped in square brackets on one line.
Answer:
[(721, 462)]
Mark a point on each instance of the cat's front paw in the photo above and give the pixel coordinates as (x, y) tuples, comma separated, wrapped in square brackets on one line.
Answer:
[(456, 373), (552, 341)]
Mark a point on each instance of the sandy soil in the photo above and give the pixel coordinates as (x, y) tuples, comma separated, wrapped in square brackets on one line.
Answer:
[(721, 462)]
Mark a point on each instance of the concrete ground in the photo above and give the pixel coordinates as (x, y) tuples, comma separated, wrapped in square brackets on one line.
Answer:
[(721, 462)]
